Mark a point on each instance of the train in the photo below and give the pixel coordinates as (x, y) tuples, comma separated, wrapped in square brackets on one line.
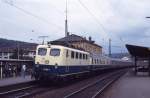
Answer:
[(55, 62)]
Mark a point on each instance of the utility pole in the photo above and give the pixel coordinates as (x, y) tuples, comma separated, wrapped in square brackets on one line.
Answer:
[(66, 20), (43, 38), (109, 47)]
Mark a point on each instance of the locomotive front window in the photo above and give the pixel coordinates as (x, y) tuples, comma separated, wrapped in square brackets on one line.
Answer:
[(55, 52), (42, 51)]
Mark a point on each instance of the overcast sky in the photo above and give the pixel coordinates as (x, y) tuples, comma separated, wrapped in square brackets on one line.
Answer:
[(121, 20)]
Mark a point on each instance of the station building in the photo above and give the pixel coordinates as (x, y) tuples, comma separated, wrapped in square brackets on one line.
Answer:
[(12, 53), (79, 42), (6, 53)]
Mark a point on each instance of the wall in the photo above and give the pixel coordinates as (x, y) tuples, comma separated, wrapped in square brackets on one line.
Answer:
[(88, 47)]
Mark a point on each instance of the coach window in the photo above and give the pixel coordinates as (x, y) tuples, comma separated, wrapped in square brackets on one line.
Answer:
[(72, 54), (92, 61), (80, 56), (100, 61), (67, 53), (83, 56), (86, 57), (77, 55), (55, 52), (42, 51)]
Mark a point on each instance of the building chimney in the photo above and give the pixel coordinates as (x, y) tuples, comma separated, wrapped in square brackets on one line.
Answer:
[(67, 34)]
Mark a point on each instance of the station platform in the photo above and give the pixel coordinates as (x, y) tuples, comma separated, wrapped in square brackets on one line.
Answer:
[(15, 80), (129, 86)]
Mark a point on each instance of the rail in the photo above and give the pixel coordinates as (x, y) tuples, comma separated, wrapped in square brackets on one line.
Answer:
[(94, 89)]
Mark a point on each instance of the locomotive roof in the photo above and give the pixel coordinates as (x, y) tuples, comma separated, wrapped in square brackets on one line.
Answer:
[(56, 46)]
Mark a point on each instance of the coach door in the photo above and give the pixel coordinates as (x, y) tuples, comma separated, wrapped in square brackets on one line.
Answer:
[(67, 61)]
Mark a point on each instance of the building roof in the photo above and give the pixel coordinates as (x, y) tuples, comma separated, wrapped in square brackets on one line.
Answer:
[(72, 38), (138, 51)]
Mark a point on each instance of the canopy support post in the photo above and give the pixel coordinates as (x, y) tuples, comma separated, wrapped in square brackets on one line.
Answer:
[(135, 65), (149, 66)]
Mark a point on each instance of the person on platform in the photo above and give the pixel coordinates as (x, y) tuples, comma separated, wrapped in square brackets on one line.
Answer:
[(23, 70)]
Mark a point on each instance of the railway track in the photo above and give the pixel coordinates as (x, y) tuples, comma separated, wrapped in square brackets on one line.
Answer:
[(34, 93), (25, 92), (93, 90)]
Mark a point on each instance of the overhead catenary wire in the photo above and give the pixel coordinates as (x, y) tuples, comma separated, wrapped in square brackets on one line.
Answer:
[(94, 17), (31, 14), (119, 37)]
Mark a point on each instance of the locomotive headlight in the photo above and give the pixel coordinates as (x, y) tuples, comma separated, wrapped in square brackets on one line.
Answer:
[(46, 61)]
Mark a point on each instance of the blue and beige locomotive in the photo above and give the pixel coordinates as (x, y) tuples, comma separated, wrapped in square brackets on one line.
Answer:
[(57, 61)]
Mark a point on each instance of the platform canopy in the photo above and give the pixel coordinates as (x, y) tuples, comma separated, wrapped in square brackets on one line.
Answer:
[(139, 51)]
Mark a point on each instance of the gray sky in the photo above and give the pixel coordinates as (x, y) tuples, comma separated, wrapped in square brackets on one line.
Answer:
[(121, 20)]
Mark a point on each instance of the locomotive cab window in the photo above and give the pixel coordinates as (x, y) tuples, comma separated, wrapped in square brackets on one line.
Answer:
[(42, 51), (55, 52)]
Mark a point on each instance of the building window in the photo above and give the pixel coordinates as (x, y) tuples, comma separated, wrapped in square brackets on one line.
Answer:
[(72, 54), (5, 54), (5, 57)]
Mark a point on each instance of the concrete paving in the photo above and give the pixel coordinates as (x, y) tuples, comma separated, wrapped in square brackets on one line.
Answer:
[(14, 80), (129, 86)]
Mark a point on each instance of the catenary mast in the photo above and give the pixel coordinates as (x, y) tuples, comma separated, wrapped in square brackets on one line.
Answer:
[(66, 20)]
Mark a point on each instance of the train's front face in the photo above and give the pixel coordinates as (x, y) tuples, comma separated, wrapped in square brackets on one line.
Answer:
[(46, 61)]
